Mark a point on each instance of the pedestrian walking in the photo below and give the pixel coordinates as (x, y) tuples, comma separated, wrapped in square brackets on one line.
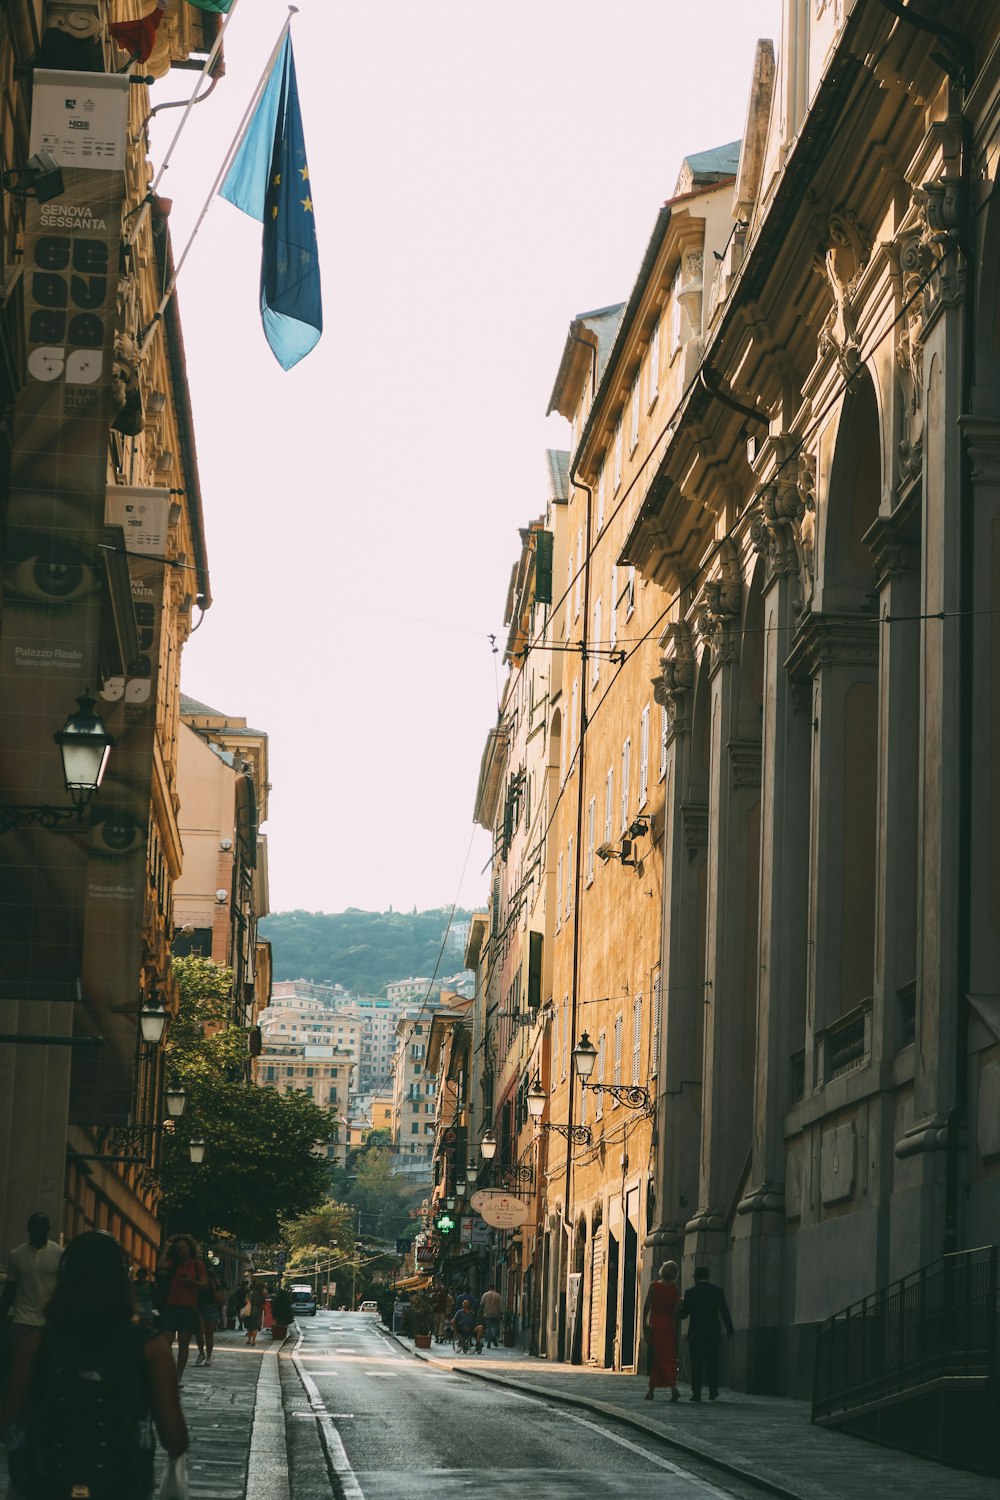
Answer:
[(88, 1387), (705, 1306), (31, 1280), (211, 1299), (236, 1302), (184, 1276), (491, 1307), (253, 1310), (659, 1316)]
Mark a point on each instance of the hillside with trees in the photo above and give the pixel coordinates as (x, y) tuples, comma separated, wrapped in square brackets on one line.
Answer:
[(362, 950)]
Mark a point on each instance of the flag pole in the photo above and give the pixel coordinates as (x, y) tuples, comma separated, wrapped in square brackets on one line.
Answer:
[(216, 48), (234, 146)]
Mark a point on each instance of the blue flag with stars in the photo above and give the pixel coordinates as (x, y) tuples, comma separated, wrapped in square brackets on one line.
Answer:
[(269, 180)]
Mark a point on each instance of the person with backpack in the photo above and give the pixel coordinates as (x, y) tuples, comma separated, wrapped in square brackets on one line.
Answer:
[(87, 1388), (183, 1275)]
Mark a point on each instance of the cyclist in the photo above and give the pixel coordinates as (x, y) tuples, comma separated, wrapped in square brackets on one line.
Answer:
[(468, 1327)]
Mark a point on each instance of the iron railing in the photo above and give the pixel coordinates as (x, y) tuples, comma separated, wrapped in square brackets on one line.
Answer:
[(941, 1321)]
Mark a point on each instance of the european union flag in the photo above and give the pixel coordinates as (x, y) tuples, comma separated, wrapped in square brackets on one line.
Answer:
[(269, 180)]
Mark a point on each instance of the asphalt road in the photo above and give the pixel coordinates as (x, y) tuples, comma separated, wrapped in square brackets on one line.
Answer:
[(396, 1428)]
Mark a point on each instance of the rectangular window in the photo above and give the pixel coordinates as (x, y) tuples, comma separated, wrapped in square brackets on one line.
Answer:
[(559, 891), (415, 1128), (633, 432), (644, 757), (664, 727), (654, 1046), (555, 1039), (591, 821), (618, 453), (626, 773), (636, 1038), (599, 1070), (595, 643), (609, 806), (569, 875), (614, 605), (565, 1051), (579, 574), (630, 593), (654, 362), (569, 585), (616, 1076), (600, 496)]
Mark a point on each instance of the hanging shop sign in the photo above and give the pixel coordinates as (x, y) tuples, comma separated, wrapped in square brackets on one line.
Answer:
[(499, 1209)]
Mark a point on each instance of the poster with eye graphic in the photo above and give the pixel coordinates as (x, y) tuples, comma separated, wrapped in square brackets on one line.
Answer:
[(54, 945)]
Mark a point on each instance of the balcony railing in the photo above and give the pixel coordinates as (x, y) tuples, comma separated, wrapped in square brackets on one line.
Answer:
[(941, 1321), (846, 1044)]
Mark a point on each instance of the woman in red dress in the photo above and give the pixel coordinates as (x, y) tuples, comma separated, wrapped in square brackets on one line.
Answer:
[(659, 1316)]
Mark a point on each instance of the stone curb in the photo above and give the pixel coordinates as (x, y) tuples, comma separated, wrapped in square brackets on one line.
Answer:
[(627, 1419)]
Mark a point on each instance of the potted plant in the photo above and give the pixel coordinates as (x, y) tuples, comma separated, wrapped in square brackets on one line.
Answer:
[(421, 1319), (282, 1312), (507, 1330)]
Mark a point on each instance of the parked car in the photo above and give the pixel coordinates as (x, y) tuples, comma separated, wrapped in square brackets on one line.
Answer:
[(303, 1300), (368, 1307)]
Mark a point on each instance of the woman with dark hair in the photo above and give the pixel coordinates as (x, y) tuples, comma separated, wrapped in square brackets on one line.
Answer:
[(184, 1276), (85, 1388)]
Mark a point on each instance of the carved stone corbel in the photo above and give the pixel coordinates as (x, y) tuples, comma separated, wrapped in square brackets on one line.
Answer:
[(939, 213), (840, 259), (80, 19), (674, 688), (719, 616)]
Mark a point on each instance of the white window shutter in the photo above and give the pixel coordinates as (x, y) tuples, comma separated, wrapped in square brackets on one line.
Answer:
[(559, 889), (579, 572), (618, 452), (626, 772), (636, 1037), (565, 1052), (591, 822), (654, 362), (609, 806), (569, 875), (633, 436), (596, 642), (616, 1076), (654, 1061), (601, 1050), (664, 727), (614, 605), (600, 496), (644, 757)]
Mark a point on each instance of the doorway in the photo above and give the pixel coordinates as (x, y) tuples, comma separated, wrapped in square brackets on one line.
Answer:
[(611, 1303), (630, 1276)]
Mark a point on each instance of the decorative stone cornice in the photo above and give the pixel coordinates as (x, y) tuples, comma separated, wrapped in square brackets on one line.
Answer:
[(930, 1134), (674, 688), (766, 1198), (694, 818), (982, 440), (894, 539), (833, 640), (744, 759), (80, 19)]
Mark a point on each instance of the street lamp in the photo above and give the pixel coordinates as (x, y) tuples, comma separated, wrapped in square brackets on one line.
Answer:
[(84, 744), (460, 1186), (152, 1023), (472, 1171), (196, 1150), (632, 1095), (175, 1100), (488, 1146), (536, 1099), (449, 1204)]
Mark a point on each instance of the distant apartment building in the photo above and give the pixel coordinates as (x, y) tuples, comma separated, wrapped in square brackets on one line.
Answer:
[(369, 1112), (330, 994), (378, 1041), (320, 1070), (414, 1093), (399, 991)]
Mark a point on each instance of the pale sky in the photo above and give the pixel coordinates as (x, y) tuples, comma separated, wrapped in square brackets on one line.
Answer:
[(481, 174)]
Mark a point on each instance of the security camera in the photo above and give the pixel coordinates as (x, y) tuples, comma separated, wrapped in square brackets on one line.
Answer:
[(606, 852), (222, 897)]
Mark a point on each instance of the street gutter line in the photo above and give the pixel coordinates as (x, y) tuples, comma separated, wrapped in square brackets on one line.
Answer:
[(333, 1443), (616, 1413)]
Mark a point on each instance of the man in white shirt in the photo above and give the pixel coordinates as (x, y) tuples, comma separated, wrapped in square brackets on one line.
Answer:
[(31, 1277)]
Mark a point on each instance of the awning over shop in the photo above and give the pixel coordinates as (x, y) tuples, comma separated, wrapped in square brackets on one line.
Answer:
[(412, 1284)]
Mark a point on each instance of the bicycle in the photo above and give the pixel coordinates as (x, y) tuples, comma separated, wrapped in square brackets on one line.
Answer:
[(465, 1343)]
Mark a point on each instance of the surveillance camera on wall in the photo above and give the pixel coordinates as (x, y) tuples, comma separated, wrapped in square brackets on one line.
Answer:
[(222, 897), (225, 845), (605, 852)]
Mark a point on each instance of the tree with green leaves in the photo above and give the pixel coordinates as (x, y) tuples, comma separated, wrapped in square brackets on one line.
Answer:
[(261, 1165), (368, 1183)]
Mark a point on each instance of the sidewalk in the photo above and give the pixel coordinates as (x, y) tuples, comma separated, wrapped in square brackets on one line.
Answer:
[(219, 1407), (768, 1440)]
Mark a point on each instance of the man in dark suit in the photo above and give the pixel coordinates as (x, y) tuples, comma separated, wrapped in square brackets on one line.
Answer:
[(705, 1306)]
